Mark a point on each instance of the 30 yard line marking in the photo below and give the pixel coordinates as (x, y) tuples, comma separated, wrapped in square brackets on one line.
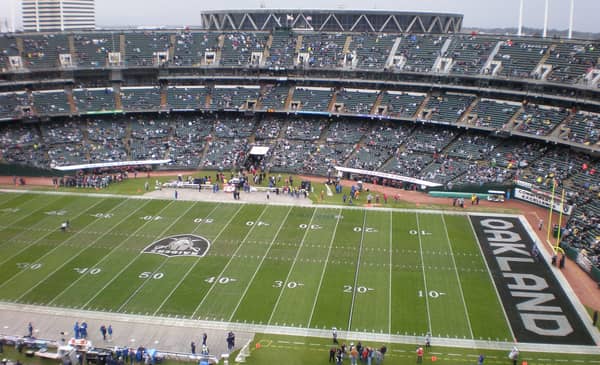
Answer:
[(260, 264), (135, 258), (462, 295), (360, 248), (292, 267), (312, 311), (198, 261), (229, 262), (165, 260), (50, 251), (73, 256), (96, 264), (423, 272)]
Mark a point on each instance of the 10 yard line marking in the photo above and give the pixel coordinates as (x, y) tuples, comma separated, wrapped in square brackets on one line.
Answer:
[(312, 311), (292, 267), (52, 250), (462, 295), (96, 264), (229, 262), (360, 248), (187, 273), (147, 280), (131, 261), (260, 264), (73, 256), (424, 276)]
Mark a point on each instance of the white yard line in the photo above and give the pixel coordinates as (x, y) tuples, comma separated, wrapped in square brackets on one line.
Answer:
[(292, 267), (214, 284), (73, 256), (148, 279), (131, 261), (390, 280), (462, 295), (312, 311), (197, 261), (492, 279), (50, 251), (424, 276), (260, 264), (362, 237)]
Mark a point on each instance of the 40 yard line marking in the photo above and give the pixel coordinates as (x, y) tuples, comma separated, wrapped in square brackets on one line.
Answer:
[(147, 280), (52, 250), (292, 267), (101, 260), (131, 261), (360, 248), (312, 311), (197, 261), (229, 262), (76, 254), (423, 272), (260, 263), (462, 295)]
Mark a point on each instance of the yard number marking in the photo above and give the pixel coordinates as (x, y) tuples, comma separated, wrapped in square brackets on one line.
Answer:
[(359, 289), (28, 265), (204, 220), (366, 229), (221, 280), (414, 232), (311, 226), (259, 223), (151, 217), (92, 271), (432, 294), (289, 285), (102, 215), (151, 275)]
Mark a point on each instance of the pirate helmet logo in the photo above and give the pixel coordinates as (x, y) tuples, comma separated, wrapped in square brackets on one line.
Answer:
[(179, 245)]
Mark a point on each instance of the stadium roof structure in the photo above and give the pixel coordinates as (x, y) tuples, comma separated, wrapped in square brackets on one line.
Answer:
[(375, 21)]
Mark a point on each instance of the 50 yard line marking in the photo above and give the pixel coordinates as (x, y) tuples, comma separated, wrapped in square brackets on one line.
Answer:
[(423, 272), (462, 295), (229, 262), (360, 248), (312, 311), (52, 250), (148, 279), (260, 264), (197, 261), (292, 267)]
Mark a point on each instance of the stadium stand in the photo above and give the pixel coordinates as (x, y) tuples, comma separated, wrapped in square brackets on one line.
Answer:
[(420, 51), (10, 103), (140, 98), (520, 57), (94, 100), (147, 48), (313, 99), (282, 50), (469, 53), (51, 102), (401, 105), (192, 97), (42, 51), (447, 108), (93, 48), (493, 114), (584, 128), (372, 50), (538, 120), (274, 97), (234, 97), (238, 48), (355, 101), (325, 50), (571, 61), (192, 48)]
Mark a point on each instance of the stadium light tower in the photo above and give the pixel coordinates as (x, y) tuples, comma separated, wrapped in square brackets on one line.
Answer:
[(520, 27), (571, 16), (546, 19)]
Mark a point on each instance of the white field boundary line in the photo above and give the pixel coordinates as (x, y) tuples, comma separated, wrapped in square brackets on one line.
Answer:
[(262, 260), (197, 261), (360, 249), (103, 258), (391, 253), (135, 258), (508, 324), (52, 250), (424, 276), (171, 322), (165, 260), (558, 274), (312, 311), (39, 222), (214, 284), (73, 256), (287, 278), (462, 295)]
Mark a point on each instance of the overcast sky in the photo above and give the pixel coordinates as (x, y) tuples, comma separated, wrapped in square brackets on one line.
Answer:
[(478, 13)]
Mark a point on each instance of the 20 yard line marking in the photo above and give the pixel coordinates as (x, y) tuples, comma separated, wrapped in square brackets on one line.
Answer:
[(360, 248), (197, 261), (52, 250), (131, 261), (76, 254), (424, 276), (229, 262), (260, 264), (292, 267), (462, 295), (312, 311), (96, 264), (148, 279)]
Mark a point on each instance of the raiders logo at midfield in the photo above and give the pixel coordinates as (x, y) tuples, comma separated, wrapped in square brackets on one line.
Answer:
[(179, 245)]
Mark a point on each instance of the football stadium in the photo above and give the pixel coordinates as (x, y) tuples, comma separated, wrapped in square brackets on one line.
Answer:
[(279, 185)]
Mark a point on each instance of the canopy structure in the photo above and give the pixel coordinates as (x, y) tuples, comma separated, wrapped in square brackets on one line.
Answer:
[(110, 164), (259, 150), (386, 175)]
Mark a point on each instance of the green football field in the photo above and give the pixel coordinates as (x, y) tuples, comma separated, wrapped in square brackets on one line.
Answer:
[(362, 270)]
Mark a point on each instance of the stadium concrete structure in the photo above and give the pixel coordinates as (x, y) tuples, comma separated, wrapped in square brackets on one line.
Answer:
[(390, 92)]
